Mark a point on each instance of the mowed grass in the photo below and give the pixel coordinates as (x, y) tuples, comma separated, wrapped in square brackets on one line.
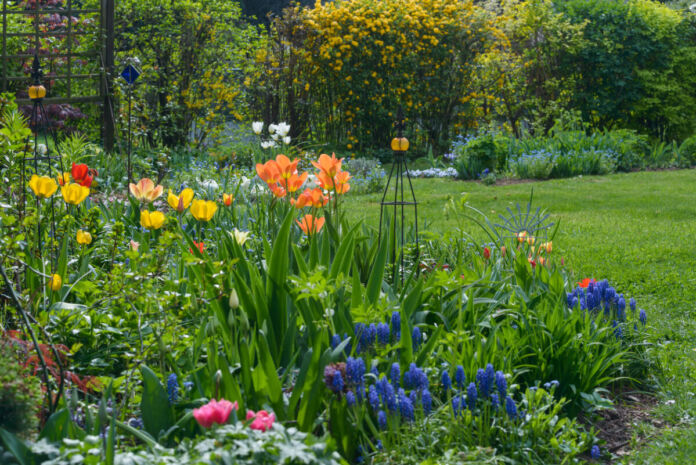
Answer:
[(638, 230)]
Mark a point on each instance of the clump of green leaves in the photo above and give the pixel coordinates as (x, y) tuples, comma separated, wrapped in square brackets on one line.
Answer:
[(20, 394)]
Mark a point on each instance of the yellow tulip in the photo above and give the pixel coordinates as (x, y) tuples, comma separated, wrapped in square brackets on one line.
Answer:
[(203, 210), (151, 220), (64, 179), (74, 194), (83, 237), (43, 186), (55, 283), (145, 190), (182, 201)]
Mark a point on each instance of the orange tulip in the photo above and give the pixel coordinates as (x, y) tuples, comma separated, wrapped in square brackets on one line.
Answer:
[(227, 199), (310, 225), (330, 165), (286, 167), (268, 172), (310, 198), (294, 182), (341, 182), (277, 190), (325, 181)]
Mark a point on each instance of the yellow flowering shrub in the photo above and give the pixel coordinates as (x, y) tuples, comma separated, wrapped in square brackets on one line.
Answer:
[(361, 59)]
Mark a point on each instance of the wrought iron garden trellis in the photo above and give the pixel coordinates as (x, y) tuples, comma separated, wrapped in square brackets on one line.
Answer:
[(397, 238), (103, 54)]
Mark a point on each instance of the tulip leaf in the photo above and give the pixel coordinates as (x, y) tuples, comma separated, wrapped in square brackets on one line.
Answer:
[(272, 382), (154, 406), (60, 426), (275, 285), (356, 297), (11, 443), (374, 283)]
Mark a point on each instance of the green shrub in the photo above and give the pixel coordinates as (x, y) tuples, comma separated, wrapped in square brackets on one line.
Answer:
[(20, 393), (477, 155)]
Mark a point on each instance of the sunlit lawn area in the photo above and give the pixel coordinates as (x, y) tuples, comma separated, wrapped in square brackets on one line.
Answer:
[(639, 231)]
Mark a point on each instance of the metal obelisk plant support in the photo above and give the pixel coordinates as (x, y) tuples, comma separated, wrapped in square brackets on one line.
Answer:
[(41, 157), (399, 170)]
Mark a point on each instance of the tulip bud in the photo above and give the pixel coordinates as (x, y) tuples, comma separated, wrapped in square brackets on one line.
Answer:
[(503, 251), (55, 283), (486, 253), (218, 379), (234, 300)]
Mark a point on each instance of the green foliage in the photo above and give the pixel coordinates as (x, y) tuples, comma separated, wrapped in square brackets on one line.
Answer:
[(233, 443), (186, 51), (20, 394), (478, 154)]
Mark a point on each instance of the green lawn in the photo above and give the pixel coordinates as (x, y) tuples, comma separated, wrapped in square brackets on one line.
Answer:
[(639, 231)]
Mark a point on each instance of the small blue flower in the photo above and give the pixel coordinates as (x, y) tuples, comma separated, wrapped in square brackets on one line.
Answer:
[(510, 407), (395, 374), (632, 304), (355, 370), (172, 388), (396, 325), (594, 452), (350, 398), (405, 406), (335, 341), (643, 317), (501, 384), (337, 382), (446, 381), (471, 396), (456, 405), (495, 402), (459, 377), (390, 398), (426, 401), (383, 333), (416, 338), (382, 420), (373, 398)]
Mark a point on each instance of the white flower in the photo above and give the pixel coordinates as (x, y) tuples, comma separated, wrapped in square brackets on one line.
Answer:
[(272, 128), (245, 183), (268, 144), (275, 136), (41, 149), (311, 182), (240, 236), (283, 129), (257, 127), (210, 185), (286, 140)]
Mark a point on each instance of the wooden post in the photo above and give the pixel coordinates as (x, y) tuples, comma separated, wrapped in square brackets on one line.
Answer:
[(108, 108)]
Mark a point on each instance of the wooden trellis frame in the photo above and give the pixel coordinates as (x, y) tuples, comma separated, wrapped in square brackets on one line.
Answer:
[(103, 55)]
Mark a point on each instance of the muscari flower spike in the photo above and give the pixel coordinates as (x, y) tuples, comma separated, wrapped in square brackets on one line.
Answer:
[(471, 395), (446, 381), (459, 377), (172, 388), (510, 407)]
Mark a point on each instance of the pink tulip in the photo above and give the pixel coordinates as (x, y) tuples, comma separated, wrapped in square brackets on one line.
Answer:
[(262, 419), (214, 412)]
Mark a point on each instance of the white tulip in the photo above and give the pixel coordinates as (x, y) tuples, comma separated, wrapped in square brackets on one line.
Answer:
[(268, 144), (257, 127), (286, 140), (240, 236), (283, 129), (41, 149), (272, 128)]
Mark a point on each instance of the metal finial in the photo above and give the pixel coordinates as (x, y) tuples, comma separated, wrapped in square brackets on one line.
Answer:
[(36, 71), (400, 122)]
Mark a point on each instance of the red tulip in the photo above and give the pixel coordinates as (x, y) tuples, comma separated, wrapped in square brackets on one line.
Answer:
[(486, 253)]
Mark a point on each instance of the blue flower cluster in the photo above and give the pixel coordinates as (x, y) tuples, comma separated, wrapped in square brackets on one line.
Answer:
[(490, 386), (387, 396), (434, 173), (380, 334), (600, 296)]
